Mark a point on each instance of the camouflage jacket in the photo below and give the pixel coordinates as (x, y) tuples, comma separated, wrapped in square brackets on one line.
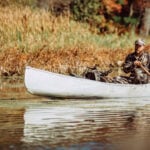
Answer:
[(138, 76)]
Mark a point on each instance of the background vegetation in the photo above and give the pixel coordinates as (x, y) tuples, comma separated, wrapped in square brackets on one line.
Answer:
[(66, 35)]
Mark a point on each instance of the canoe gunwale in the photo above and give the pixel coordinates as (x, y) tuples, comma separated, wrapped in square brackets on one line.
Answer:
[(50, 84), (106, 83)]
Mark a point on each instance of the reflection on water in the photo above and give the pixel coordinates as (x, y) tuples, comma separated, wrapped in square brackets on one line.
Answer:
[(29, 122)]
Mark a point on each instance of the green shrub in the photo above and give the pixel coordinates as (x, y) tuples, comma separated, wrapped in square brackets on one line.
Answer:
[(86, 10)]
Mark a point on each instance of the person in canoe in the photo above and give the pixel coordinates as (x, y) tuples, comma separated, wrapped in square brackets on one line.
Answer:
[(138, 64)]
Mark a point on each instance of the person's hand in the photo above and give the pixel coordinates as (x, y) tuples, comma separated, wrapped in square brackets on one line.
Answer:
[(137, 63)]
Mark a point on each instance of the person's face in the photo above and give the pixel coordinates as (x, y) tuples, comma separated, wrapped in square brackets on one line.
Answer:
[(139, 48)]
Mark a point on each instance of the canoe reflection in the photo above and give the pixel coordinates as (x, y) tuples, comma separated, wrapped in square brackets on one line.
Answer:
[(67, 126), (76, 124)]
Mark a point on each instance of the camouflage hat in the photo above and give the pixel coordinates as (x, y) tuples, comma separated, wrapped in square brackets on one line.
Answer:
[(139, 42)]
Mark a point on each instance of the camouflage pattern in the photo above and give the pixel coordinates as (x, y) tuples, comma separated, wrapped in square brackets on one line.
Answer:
[(95, 74), (137, 76)]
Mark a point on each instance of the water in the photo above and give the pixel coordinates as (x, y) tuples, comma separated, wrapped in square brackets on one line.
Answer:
[(32, 122)]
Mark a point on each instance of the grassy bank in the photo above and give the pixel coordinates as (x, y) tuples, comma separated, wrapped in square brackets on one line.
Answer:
[(29, 30), (37, 38)]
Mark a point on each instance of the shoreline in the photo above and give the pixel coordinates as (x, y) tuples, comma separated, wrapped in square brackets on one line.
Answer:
[(13, 62)]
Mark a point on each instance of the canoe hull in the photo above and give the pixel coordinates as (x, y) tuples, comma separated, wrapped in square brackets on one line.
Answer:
[(46, 83)]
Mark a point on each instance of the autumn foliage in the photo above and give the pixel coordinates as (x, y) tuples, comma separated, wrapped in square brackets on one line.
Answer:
[(112, 6), (64, 61), (35, 37)]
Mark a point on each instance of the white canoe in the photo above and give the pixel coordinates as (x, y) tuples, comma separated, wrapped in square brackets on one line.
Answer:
[(41, 82)]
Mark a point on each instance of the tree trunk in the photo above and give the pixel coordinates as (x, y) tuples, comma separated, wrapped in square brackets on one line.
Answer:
[(145, 21), (145, 28)]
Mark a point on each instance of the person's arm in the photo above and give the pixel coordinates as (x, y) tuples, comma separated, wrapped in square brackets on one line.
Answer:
[(128, 65)]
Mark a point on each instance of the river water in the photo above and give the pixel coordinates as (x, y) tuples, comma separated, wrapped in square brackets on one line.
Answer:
[(31, 122)]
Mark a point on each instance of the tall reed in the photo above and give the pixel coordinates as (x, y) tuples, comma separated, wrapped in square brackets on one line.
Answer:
[(30, 29), (35, 37)]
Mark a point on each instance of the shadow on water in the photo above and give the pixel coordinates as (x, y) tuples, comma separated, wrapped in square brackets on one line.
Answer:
[(31, 122)]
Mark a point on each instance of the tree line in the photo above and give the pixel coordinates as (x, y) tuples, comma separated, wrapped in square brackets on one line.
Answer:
[(106, 15)]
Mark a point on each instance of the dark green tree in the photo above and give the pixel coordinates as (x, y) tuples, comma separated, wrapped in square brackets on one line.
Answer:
[(87, 10)]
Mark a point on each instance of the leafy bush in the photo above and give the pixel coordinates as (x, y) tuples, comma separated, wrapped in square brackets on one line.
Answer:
[(105, 15), (86, 10), (130, 20)]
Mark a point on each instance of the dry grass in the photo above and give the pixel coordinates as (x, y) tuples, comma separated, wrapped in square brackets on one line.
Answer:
[(30, 29), (65, 61), (36, 38), (62, 61)]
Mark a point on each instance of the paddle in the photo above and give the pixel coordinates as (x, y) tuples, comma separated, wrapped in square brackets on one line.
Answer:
[(144, 69)]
